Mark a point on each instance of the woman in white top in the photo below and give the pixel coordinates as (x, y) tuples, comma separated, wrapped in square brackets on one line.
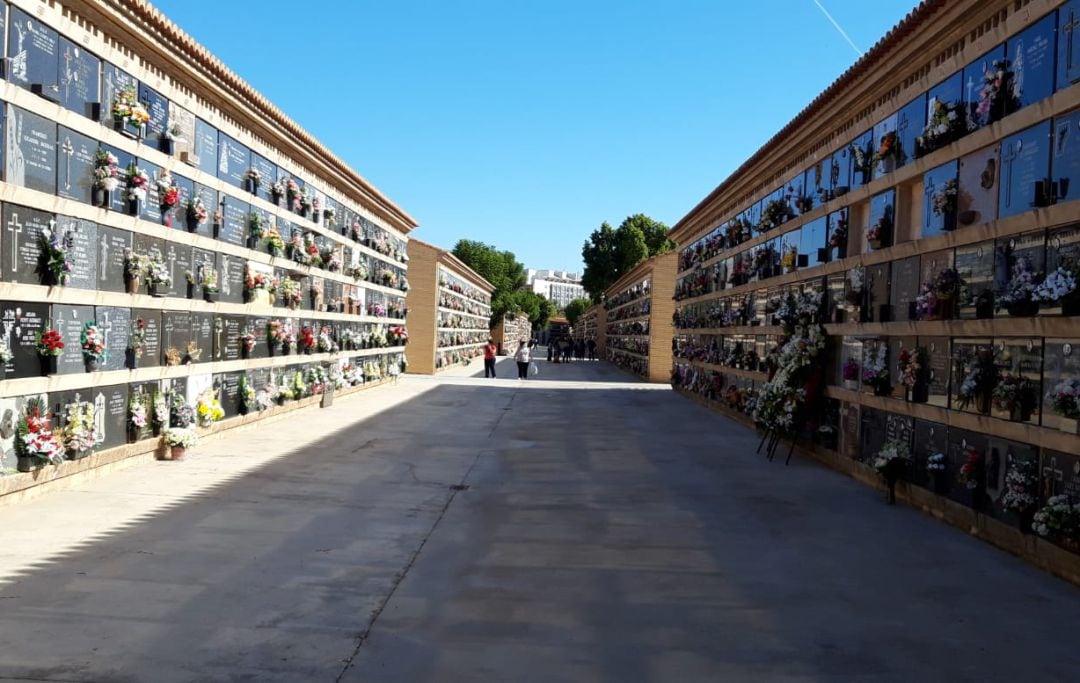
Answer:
[(522, 357)]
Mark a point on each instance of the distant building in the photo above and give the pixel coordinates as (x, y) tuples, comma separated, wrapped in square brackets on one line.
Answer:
[(557, 286)]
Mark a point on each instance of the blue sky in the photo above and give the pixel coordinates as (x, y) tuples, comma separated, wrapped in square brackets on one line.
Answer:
[(525, 123)]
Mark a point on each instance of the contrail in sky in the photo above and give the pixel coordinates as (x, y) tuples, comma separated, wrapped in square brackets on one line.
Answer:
[(838, 28)]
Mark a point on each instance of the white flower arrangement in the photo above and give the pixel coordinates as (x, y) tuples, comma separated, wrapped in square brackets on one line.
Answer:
[(1056, 286), (184, 437), (894, 452), (935, 463), (857, 278)]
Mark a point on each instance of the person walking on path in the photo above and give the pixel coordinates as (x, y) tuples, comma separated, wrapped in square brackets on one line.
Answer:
[(551, 349), (592, 349), (489, 358), (522, 357)]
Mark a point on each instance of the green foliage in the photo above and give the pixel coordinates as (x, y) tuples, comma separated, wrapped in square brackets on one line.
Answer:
[(609, 253), (575, 309), (502, 269)]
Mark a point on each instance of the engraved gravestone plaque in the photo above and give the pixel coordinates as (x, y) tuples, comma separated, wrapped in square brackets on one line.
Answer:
[(22, 322), (30, 151), (234, 160), (20, 246), (175, 336), (69, 322), (113, 80), (147, 322), (80, 73), (75, 167), (111, 245), (84, 250), (206, 147), (115, 325), (1025, 165), (33, 55), (977, 200)]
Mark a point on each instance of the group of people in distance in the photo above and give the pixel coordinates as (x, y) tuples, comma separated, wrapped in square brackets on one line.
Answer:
[(561, 350), (565, 349)]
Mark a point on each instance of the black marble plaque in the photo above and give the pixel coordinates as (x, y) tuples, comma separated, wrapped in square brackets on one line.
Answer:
[(840, 172), (1012, 253), (118, 199), (1065, 155), (149, 320), (930, 438), (115, 324), (69, 322), (257, 326), (882, 220), (1059, 474), (204, 334), (935, 185), (960, 441), (75, 165), (1068, 44), (227, 344), (910, 121), (111, 408), (1000, 453), (815, 182), (187, 190), (20, 248), (1031, 53), (113, 80), (259, 378), (965, 354), (84, 250), (813, 242), (1025, 166), (900, 427), (1062, 364), (939, 361), (80, 76), (178, 256), (111, 244), (175, 335), (231, 278), (979, 112), (233, 228), (210, 202), (267, 172), (871, 433), (22, 322), (905, 287), (975, 266), (206, 148), (144, 393), (30, 151), (233, 160), (878, 308), (860, 175), (228, 386), (884, 129), (201, 260), (33, 54), (151, 208), (158, 108)]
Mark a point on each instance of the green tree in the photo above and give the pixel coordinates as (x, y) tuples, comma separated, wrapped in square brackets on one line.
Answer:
[(609, 252), (575, 309), (507, 274)]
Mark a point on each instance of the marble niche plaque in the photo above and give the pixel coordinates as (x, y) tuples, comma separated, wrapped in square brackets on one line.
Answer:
[(1025, 170), (1021, 357), (206, 148), (202, 260), (110, 409), (21, 323), (149, 321), (930, 438), (1059, 474), (939, 362), (1062, 251), (1065, 155), (1062, 364), (228, 390), (30, 151), (113, 80), (20, 246), (33, 55), (965, 354), (910, 121), (871, 433), (69, 321), (118, 201), (882, 220), (231, 278), (812, 243), (878, 308), (961, 443), (111, 244), (158, 108), (184, 144), (144, 393), (862, 174), (1068, 45), (210, 201), (80, 76), (75, 167), (227, 341), (257, 326), (267, 173), (1014, 255), (1031, 56), (84, 250), (975, 266), (178, 256), (905, 287), (175, 336), (205, 335), (936, 183), (234, 160), (151, 208), (235, 221), (115, 324), (977, 199), (884, 128), (982, 113), (1000, 455)]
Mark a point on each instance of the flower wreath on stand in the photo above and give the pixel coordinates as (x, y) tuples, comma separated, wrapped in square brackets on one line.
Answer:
[(783, 396)]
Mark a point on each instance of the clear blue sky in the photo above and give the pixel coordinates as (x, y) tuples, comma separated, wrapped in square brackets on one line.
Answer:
[(526, 123)]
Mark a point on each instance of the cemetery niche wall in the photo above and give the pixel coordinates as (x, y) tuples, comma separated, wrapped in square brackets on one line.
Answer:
[(164, 268), (450, 306), (637, 319), (931, 235)]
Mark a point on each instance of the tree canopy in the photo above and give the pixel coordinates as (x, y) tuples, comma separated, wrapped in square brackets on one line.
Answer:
[(609, 252), (502, 269), (575, 309)]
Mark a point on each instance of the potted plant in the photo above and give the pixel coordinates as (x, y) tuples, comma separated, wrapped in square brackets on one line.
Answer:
[(168, 197), (1059, 521), (247, 344), (978, 384), (943, 203), (158, 277), (256, 229), (912, 366), (78, 431), (49, 347), (1065, 399), (1019, 295), (277, 191), (178, 440), (106, 177), (274, 243), (1021, 488), (208, 281), (307, 339), (54, 260), (36, 443), (1015, 395), (93, 345), (875, 370), (138, 182), (890, 462), (208, 408), (1059, 288), (973, 474), (129, 114), (880, 232), (195, 213), (253, 178), (137, 415)]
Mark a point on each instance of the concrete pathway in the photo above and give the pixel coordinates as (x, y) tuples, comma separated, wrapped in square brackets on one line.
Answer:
[(577, 526)]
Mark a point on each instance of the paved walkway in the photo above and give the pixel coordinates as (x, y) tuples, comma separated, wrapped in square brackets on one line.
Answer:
[(578, 526)]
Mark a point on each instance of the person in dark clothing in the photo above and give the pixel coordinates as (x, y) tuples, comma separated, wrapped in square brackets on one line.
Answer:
[(592, 349), (551, 349)]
